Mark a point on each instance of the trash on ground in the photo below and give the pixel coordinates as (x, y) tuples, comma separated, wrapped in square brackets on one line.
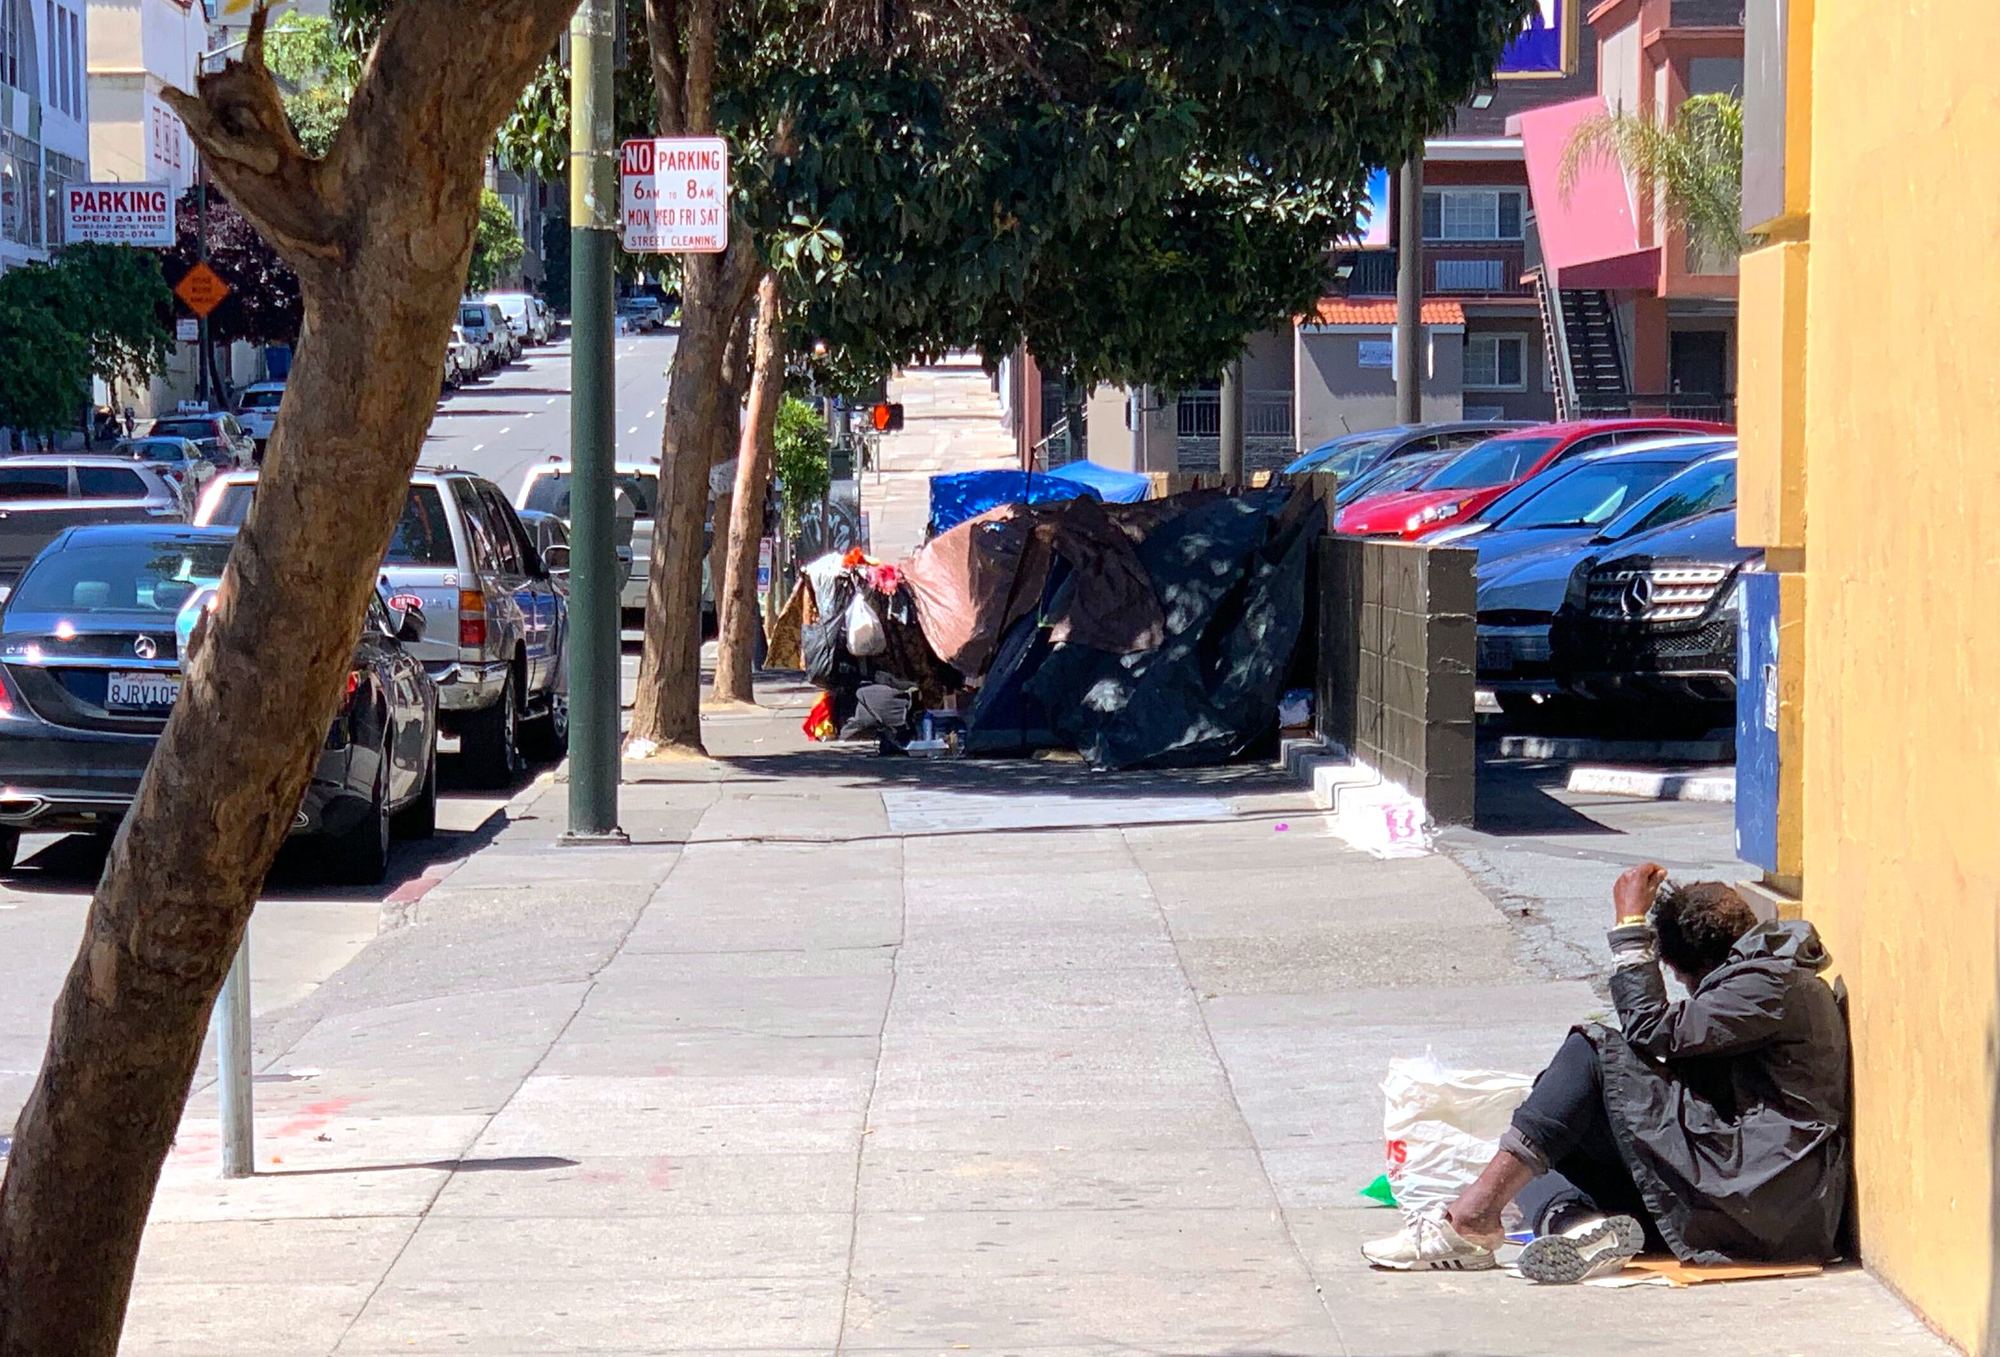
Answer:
[(1441, 1127)]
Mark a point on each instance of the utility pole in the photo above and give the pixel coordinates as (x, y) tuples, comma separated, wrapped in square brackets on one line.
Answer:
[(593, 608), (1410, 293), (1231, 426)]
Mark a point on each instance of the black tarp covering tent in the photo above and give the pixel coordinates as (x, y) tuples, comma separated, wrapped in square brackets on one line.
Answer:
[(1231, 579)]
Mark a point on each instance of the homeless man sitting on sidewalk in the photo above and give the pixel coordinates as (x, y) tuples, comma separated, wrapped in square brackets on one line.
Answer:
[(1714, 1127)]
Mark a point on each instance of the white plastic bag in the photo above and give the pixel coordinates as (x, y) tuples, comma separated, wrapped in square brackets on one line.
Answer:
[(1441, 1126), (865, 635)]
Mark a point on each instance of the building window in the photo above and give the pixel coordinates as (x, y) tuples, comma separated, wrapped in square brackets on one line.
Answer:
[(1472, 214), (14, 39), (77, 67), (20, 189), (58, 173), (1495, 362)]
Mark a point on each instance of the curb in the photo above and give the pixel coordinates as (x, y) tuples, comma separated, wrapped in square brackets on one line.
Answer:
[(1362, 807), (1655, 784), (1577, 749)]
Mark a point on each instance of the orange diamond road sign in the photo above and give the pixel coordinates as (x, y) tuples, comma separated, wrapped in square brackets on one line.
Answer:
[(202, 289)]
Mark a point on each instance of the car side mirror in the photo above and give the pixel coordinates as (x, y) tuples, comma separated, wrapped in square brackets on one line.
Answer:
[(408, 620), (556, 559)]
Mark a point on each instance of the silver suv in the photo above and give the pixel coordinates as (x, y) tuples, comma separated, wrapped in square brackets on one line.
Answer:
[(42, 495), (497, 645)]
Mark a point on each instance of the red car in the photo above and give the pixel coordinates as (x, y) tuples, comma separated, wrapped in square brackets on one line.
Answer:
[(1490, 469)]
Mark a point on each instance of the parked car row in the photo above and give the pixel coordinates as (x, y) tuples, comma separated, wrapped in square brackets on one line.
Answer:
[(1608, 569), (468, 637)]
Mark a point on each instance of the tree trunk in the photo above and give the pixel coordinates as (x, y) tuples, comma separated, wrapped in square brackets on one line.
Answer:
[(756, 451), (699, 432), (379, 233)]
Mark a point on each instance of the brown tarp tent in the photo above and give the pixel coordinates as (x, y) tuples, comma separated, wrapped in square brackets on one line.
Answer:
[(976, 580)]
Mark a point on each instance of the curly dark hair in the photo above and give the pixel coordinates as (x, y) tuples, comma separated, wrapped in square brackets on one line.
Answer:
[(1698, 923)]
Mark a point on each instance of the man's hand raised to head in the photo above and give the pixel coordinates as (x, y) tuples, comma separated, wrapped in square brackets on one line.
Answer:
[(1633, 893)]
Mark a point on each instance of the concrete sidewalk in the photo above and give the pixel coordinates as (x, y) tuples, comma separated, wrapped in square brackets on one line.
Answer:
[(859, 1055)]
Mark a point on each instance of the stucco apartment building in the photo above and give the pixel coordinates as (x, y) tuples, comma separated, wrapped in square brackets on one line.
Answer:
[(1541, 299), (1867, 473), (45, 111)]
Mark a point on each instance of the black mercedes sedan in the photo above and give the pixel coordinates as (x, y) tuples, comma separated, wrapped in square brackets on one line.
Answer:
[(90, 668)]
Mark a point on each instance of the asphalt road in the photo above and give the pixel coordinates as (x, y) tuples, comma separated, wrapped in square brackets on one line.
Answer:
[(304, 930), (501, 425)]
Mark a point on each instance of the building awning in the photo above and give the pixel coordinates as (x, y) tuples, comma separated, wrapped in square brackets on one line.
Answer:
[(1340, 311), (1589, 236)]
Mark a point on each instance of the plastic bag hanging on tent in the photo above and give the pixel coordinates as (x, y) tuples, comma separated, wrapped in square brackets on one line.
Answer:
[(1442, 1126), (865, 633)]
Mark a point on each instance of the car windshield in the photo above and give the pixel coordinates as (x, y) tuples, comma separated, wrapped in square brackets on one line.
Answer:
[(156, 450), (262, 400), (1700, 489), (1497, 461), (549, 493), (473, 316), (422, 537), (1352, 456), (156, 575), (1391, 477), (1580, 496), (184, 428)]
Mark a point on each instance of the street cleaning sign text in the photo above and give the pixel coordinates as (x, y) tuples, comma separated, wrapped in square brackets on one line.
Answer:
[(674, 195), (119, 214)]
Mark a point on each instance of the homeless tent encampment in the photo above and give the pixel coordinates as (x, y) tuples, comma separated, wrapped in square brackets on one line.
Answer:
[(1112, 486), (1150, 633), (957, 496)]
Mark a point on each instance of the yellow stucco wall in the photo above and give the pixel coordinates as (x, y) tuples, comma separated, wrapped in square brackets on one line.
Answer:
[(1902, 622)]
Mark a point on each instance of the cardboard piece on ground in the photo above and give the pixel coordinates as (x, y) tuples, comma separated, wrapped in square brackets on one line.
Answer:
[(1673, 1272)]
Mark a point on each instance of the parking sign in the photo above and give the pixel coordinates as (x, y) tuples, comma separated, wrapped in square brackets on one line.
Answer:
[(674, 195)]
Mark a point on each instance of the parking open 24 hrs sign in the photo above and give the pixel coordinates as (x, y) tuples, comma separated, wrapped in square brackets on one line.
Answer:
[(119, 214), (674, 195)]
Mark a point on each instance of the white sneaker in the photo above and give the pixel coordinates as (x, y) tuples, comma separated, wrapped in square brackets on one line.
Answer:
[(1596, 1247), (1428, 1244)]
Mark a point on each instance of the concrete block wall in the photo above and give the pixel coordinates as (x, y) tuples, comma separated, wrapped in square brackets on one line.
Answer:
[(1396, 664)]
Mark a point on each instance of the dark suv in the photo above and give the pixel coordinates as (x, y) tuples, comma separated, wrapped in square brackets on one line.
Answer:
[(1658, 619)]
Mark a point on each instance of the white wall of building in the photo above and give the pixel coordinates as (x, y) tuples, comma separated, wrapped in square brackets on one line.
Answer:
[(44, 121)]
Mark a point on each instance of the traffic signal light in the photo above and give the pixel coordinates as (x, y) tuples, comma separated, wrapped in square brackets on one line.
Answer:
[(886, 417)]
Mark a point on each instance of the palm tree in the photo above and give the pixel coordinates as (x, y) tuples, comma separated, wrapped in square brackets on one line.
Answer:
[(1693, 163)]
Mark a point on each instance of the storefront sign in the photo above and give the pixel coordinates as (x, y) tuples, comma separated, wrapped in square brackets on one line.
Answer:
[(119, 214), (674, 195)]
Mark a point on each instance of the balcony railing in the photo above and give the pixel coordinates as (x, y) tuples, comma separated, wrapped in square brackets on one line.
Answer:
[(1266, 414), (1451, 269)]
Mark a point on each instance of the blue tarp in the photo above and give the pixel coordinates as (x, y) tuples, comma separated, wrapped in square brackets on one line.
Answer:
[(1113, 487), (968, 494)]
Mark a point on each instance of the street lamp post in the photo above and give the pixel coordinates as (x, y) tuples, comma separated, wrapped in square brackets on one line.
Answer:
[(593, 648)]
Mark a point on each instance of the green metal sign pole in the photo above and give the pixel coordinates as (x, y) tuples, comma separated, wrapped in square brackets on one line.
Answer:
[(594, 677)]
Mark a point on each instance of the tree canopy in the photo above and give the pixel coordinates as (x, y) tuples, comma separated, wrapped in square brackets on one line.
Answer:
[(91, 311), (1130, 192), (496, 245)]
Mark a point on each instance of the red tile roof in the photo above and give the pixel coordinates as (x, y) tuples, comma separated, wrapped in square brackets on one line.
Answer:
[(1340, 311)]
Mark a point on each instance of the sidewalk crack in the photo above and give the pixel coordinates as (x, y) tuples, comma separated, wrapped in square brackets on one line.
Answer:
[(617, 950), (1235, 1103), (874, 1081)]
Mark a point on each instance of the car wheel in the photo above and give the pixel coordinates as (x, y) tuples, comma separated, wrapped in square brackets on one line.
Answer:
[(546, 738), (419, 819), (10, 848), (360, 856), (490, 740)]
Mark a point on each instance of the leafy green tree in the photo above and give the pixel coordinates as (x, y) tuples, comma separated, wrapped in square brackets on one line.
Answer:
[(1692, 164), (497, 246), (318, 73), (92, 311), (804, 458)]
